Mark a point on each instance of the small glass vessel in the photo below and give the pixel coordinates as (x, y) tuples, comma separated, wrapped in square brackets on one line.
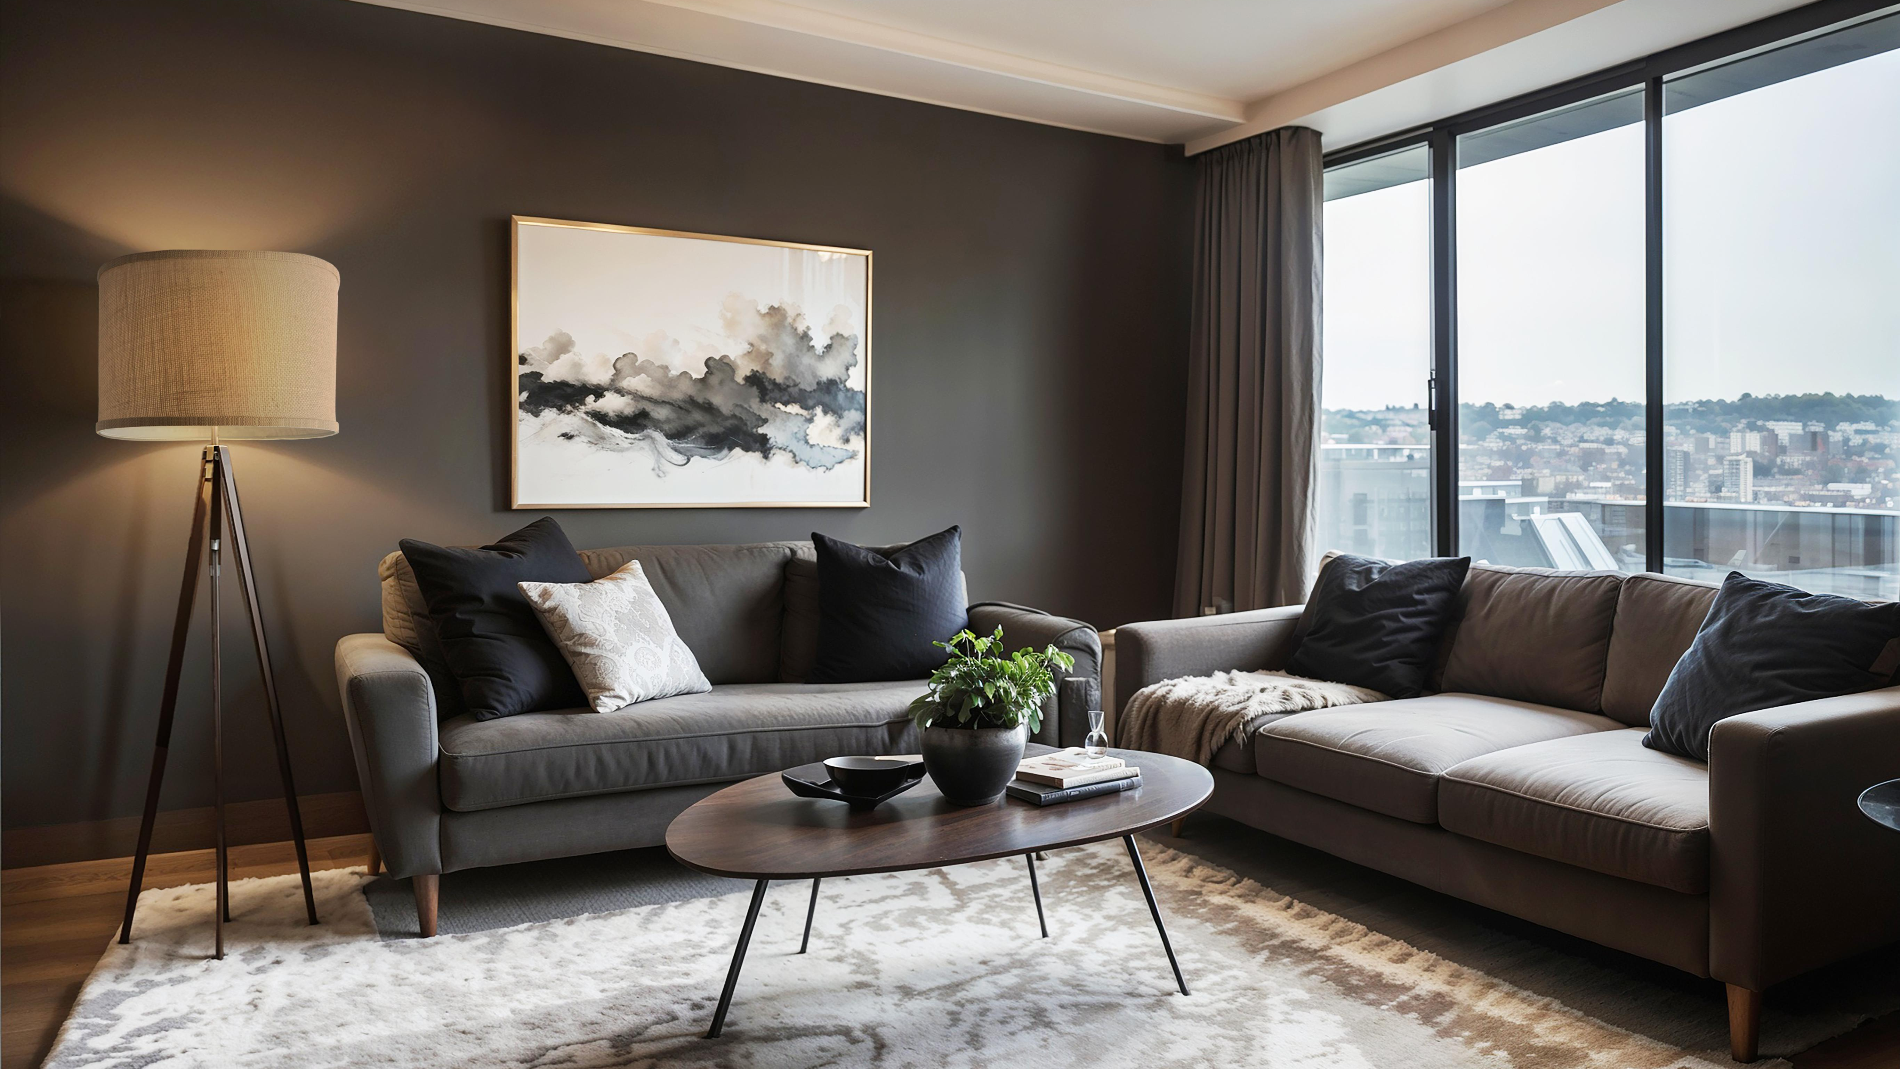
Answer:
[(1096, 744)]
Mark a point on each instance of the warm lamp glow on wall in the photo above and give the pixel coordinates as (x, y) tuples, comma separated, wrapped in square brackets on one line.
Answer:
[(199, 345)]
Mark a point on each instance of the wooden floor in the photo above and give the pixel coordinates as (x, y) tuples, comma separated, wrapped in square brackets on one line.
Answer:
[(56, 920)]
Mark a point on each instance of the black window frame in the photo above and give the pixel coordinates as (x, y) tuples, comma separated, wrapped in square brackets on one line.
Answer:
[(1441, 142)]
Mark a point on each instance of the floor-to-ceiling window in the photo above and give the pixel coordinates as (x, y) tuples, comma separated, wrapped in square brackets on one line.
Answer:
[(1781, 208), (1667, 301), (1551, 338), (1374, 489)]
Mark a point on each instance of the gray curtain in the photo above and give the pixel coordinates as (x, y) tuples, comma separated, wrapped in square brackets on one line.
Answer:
[(1254, 376)]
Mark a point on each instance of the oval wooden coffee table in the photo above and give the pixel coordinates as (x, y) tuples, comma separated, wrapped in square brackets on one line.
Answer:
[(758, 830)]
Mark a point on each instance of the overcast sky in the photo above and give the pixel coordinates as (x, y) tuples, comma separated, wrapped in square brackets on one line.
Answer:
[(1782, 238)]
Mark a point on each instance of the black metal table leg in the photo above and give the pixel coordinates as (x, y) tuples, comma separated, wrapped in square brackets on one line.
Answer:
[(810, 911), (738, 959), (1147, 892), (1036, 889)]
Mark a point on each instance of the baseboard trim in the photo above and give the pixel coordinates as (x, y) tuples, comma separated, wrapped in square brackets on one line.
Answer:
[(263, 821)]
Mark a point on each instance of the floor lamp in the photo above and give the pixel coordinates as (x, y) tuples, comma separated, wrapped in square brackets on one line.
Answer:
[(207, 345)]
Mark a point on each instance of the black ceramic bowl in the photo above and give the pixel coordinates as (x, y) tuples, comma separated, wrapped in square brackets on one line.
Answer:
[(870, 775)]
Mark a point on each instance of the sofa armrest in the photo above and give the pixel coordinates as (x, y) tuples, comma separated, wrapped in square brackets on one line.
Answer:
[(1065, 720), (1799, 877), (389, 706), (1149, 652)]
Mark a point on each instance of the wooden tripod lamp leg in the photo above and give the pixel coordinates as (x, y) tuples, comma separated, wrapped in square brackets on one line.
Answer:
[(168, 704), (248, 580), (222, 907)]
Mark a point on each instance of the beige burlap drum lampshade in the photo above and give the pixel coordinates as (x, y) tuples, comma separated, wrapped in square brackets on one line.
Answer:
[(201, 344)]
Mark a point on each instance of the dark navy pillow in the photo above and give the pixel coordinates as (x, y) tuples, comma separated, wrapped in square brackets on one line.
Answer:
[(502, 659), (879, 613), (1764, 645), (1374, 624)]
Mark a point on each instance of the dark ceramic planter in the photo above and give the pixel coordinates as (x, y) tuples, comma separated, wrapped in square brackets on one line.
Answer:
[(971, 766)]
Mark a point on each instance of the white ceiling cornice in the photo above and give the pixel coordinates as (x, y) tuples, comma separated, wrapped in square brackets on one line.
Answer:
[(1476, 52), (1516, 49), (903, 42), (1474, 36), (770, 37)]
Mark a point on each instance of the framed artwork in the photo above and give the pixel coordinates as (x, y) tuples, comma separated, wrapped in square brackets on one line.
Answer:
[(658, 369)]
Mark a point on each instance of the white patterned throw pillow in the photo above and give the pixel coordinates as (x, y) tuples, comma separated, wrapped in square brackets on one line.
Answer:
[(618, 638)]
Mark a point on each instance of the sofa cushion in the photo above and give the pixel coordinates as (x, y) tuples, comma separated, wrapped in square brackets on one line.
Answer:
[(1767, 644), (1601, 801), (729, 732), (887, 615), (1533, 635), (1656, 619), (1374, 624), (1387, 757), (798, 640), (502, 658), (617, 638), (725, 601)]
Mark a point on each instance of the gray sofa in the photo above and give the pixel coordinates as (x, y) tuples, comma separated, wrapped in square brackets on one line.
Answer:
[(1523, 785), (456, 793)]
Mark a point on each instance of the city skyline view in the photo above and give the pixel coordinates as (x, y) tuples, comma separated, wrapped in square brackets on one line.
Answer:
[(1781, 338)]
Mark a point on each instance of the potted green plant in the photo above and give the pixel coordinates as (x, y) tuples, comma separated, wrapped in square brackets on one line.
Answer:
[(978, 712)]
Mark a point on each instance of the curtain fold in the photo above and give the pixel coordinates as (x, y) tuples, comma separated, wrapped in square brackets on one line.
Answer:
[(1254, 376)]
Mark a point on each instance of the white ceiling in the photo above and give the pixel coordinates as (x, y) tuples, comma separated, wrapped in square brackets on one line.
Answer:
[(1200, 72), (1237, 49)]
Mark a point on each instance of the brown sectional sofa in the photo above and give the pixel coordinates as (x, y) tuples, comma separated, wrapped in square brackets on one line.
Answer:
[(1523, 785)]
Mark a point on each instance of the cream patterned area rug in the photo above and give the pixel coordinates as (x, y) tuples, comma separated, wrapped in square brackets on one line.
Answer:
[(936, 969)]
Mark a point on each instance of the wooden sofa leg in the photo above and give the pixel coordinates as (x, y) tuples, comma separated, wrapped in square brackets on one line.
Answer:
[(1744, 1023), (1174, 826), (428, 892), (375, 858)]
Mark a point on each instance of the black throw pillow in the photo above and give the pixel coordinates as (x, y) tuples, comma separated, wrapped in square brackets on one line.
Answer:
[(879, 613), (1374, 624), (1764, 645), (502, 659)]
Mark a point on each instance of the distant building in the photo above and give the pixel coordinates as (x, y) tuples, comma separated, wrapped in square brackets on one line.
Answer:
[(1809, 439), (1766, 443), (1374, 500), (1738, 478), (1675, 474)]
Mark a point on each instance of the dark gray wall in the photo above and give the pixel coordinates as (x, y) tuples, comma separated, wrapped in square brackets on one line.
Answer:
[(1031, 300)]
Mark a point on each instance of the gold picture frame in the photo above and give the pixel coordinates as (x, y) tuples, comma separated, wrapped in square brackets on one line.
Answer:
[(580, 427)]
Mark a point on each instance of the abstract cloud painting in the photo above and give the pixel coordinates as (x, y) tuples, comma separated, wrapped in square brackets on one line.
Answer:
[(667, 370)]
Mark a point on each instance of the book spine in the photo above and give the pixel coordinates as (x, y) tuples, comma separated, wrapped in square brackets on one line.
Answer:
[(1089, 790), (1081, 779)]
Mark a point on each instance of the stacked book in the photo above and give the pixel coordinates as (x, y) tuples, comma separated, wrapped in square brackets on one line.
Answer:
[(1071, 774)]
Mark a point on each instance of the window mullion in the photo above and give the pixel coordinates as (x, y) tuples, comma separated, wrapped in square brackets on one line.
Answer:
[(1653, 430), (1444, 170)]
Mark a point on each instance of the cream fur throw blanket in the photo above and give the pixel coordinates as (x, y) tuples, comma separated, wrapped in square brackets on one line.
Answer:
[(1194, 716)]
